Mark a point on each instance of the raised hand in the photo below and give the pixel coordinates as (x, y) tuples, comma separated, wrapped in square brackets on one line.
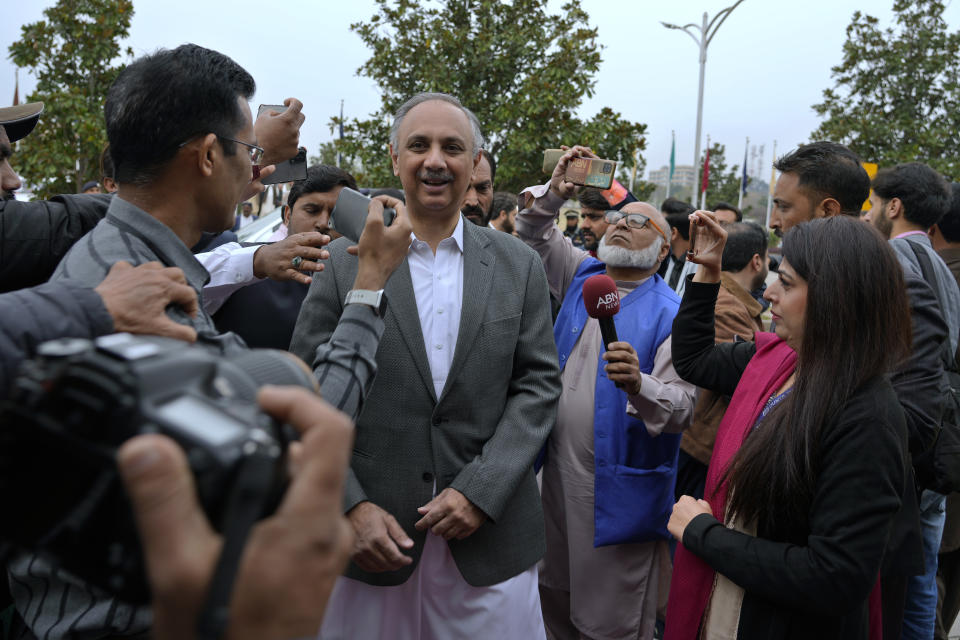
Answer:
[(707, 239)]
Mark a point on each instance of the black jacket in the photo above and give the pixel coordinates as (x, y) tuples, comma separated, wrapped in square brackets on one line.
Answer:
[(49, 311), (814, 582), (34, 236)]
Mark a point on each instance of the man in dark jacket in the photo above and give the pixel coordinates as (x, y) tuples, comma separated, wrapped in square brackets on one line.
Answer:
[(825, 179), (906, 201)]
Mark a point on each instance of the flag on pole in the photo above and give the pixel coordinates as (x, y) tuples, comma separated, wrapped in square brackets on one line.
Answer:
[(773, 170), (743, 176), (673, 157), (706, 177), (773, 181), (745, 179), (706, 172), (339, 158)]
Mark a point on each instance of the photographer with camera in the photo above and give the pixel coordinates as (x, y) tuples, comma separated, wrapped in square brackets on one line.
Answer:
[(291, 559)]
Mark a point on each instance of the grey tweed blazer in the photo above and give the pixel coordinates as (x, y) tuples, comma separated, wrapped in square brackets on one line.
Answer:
[(480, 436)]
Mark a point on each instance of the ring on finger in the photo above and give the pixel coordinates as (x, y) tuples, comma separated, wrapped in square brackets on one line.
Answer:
[(296, 262)]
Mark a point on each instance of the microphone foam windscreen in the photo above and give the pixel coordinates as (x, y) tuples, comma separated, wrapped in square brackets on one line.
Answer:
[(600, 296)]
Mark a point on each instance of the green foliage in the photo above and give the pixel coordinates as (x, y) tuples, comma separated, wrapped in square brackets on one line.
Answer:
[(723, 184), (71, 52), (521, 70), (328, 155), (896, 96)]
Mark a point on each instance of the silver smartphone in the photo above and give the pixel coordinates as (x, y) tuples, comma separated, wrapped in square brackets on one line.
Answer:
[(349, 214)]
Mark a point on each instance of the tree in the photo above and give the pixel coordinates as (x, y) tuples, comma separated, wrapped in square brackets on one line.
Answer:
[(896, 96), (328, 155), (723, 185), (521, 70), (71, 52)]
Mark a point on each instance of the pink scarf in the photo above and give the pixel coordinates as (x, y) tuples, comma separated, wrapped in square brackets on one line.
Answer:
[(692, 579)]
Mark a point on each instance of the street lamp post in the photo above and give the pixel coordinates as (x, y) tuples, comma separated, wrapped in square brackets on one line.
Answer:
[(707, 31)]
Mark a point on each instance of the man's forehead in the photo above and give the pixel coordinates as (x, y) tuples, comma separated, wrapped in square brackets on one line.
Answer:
[(482, 172), (787, 183), (435, 119)]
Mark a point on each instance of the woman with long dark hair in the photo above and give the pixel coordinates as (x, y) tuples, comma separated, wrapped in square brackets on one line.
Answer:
[(809, 462)]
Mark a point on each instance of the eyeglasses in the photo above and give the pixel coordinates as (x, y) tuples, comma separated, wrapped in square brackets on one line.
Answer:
[(256, 153), (596, 217), (634, 220)]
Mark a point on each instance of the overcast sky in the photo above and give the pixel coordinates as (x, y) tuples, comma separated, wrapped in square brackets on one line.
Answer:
[(766, 66)]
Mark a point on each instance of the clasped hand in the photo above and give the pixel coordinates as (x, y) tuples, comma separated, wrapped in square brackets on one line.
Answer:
[(686, 509), (381, 541)]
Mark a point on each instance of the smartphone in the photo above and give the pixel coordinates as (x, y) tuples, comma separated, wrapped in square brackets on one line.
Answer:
[(591, 172), (349, 214), (550, 159), (279, 108), (290, 170)]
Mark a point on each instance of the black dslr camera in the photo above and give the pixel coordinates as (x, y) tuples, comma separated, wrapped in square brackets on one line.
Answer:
[(74, 404)]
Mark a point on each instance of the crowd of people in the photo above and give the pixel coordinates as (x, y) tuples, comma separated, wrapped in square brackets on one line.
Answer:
[(481, 457)]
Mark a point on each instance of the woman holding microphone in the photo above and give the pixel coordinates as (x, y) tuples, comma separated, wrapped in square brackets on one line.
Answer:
[(809, 462)]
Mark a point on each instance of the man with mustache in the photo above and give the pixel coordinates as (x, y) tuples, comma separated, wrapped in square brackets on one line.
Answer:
[(618, 421), (593, 206), (479, 197), (451, 373)]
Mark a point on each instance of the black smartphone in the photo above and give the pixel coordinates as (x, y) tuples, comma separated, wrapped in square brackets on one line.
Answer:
[(349, 214), (293, 169)]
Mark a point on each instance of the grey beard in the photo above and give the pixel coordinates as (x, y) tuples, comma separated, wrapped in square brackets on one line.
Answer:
[(645, 258)]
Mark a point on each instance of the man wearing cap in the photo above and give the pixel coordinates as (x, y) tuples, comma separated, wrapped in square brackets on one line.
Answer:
[(571, 231), (35, 235), (90, 186), (610, 463)]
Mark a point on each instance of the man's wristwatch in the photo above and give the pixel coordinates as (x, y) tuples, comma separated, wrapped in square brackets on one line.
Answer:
[(376, 300)]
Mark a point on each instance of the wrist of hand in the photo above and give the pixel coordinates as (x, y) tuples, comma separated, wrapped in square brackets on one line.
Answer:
[(369, 281), (258, 270), (706, 273)]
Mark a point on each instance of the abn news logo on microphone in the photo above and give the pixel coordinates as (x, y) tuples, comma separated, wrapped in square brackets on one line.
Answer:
[(608, 304)]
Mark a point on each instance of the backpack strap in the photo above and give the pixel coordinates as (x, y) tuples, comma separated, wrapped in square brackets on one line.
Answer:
[(928, 274)]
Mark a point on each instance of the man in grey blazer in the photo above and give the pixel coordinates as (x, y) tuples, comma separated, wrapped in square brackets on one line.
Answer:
[(451, 371)]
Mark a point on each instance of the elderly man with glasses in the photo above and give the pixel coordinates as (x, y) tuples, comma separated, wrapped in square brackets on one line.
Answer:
[(610, 462)]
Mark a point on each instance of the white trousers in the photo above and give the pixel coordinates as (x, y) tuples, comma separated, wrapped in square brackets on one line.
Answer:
[(435, 603)]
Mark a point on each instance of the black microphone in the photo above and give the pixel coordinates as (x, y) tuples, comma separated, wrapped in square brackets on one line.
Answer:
[(602, 301)]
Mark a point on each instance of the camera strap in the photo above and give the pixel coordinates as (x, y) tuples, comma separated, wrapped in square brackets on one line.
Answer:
[(246, 504)]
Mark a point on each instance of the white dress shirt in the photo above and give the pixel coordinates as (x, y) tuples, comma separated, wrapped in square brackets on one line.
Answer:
[(438, 288), (231, 268)]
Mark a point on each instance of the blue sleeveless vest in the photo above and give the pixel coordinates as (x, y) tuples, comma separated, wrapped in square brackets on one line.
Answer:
[(634, 473)]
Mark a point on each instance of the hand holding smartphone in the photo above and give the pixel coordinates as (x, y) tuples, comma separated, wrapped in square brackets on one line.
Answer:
[(588, 172)]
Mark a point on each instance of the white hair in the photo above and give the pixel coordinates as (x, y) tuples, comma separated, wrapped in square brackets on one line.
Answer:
[(420, 98), (645, 258)]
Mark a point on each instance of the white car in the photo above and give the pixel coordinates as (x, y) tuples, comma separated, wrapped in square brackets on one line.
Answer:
[(261, 228)]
